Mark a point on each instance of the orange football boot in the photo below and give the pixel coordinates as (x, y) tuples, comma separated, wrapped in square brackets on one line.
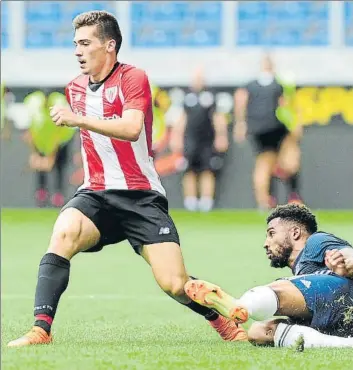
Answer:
[(35, 336), (229, 330), (212, 296)]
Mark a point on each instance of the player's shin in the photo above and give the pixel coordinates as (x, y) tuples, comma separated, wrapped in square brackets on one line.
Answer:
[(53, 278), (288, 336)]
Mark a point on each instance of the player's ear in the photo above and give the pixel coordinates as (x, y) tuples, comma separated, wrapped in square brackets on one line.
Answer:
[(111, 45), (296, 232)]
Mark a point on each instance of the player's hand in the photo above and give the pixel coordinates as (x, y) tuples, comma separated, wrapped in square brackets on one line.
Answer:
[(62, 116), (348, 260), (239, 132), (334, 260), (221, 143)]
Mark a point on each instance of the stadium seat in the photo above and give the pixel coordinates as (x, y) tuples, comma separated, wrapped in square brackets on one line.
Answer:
[(348, 22), (285, 23), (4, 25), (157, 24), (48, 23)]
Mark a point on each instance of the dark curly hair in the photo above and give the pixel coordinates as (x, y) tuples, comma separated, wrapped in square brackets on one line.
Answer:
[(295, 213), (107, 25)]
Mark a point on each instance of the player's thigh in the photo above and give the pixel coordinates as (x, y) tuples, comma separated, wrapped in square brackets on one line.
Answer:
[(289, 154), (152, 233), (73, 232), (167, 265), (291, 301)]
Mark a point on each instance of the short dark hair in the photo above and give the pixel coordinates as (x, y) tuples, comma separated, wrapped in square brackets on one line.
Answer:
[(107, 25), (296, 213)]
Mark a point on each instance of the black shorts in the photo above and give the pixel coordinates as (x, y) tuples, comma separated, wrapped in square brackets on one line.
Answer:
[(270, 141), (140, 216), (203, 159)]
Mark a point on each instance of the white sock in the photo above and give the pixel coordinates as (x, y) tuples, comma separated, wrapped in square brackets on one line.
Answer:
[(261, 302), (287, 335), (205, 204), (190, 203)]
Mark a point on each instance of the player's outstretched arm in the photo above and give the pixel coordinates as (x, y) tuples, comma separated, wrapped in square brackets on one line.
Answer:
[(128, 127)]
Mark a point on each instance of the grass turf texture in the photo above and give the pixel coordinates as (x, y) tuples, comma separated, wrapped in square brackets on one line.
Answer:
[(113, 315)]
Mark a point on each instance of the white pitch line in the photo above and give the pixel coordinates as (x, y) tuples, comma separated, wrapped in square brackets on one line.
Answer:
[(116, 297)]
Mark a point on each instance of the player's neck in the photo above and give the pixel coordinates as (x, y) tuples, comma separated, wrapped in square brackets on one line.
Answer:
[(104, 72), (296, 251)]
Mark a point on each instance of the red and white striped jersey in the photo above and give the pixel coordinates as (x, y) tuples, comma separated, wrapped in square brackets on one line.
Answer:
[(111, 163)]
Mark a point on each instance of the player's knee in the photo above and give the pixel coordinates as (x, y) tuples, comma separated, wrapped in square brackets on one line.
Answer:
[(174, 286), (280, 289), (290, 166), (262, 333), (65, 239)]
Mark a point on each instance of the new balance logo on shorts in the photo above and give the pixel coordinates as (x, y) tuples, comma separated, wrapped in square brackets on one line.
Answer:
[(164, 231)]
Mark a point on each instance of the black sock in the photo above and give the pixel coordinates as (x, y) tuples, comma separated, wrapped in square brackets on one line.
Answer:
[(53, 278), (293, 183), (206, 312)]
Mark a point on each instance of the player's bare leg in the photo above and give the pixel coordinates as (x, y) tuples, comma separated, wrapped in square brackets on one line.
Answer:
[(280, 298), (262, 174), (73, 232), (289, 158), (279, 333), (190, 190), (168, 267), (207, 190)]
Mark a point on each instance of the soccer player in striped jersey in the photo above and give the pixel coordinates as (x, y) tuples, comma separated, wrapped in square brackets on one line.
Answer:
[(121, 197), (318, 299)]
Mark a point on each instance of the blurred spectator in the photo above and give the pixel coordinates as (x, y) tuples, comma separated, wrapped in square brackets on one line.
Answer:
[(49, 146), (201, 134), (7, 98), (257, 108)]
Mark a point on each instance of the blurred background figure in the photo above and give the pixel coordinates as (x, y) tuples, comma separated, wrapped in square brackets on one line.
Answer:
[(201, 134), (7, 98), (49, 147), (276, 148)]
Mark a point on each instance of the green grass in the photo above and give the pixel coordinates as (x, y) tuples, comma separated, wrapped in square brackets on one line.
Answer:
[(113, 316)]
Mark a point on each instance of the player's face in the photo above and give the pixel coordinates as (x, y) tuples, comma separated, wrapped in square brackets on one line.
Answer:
[(278, 244), (91, 52)]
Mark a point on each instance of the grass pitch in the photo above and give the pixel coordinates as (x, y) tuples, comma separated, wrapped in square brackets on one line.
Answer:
[(114, 316)]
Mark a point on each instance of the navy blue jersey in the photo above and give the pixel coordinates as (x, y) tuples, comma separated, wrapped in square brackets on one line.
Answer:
[(311, 259)]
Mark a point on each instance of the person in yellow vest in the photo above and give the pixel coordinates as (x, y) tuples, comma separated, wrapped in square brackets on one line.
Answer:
[(49, 146)]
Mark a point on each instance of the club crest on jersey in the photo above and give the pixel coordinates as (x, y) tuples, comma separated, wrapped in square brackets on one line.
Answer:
[(111, 93)]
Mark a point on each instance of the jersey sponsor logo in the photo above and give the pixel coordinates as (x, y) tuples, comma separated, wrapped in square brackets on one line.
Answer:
[(111, 93)]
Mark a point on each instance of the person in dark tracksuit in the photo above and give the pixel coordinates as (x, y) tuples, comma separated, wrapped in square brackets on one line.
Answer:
[(255, 116)]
